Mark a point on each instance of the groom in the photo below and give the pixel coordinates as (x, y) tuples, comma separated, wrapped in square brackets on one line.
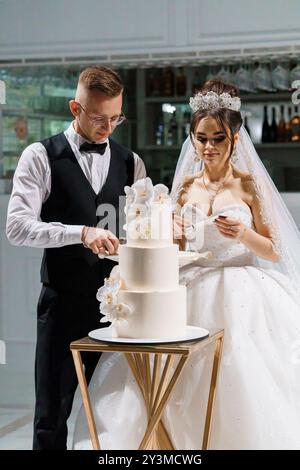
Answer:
[(58, 185)]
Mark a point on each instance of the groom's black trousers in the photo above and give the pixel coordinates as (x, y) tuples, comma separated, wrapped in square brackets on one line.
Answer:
[(62, 318)]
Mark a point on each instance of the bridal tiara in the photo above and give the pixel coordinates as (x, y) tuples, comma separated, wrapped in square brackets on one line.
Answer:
[(212, 100)]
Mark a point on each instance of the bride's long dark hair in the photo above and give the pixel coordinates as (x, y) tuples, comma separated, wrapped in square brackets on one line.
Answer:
[(227, 119)]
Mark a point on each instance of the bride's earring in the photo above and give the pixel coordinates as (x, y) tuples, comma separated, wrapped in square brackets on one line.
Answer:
[(234, 156), (197, 157)]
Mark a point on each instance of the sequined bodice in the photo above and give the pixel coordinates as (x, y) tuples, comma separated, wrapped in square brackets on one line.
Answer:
[(225, 251)]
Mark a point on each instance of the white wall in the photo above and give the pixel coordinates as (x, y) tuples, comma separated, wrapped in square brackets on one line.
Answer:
[(19, 290), (242, 22), (59, 28), (292, 201)]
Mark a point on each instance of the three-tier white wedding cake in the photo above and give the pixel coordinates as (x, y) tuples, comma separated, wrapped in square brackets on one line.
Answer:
[(142, 297)]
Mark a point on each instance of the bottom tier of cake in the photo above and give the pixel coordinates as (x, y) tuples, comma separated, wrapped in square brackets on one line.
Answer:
[(153, 314)]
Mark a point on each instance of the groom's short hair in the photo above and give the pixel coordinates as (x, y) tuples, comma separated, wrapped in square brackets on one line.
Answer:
[(102, 79)]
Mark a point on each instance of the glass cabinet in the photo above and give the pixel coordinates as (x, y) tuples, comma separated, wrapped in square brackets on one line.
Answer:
[(163, 115), (158, 114), (37, 106)]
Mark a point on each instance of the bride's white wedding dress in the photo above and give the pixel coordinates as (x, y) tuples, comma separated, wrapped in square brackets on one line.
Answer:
[(258, 394)]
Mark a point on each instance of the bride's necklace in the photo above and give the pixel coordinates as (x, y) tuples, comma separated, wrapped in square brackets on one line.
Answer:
[(214, 189)]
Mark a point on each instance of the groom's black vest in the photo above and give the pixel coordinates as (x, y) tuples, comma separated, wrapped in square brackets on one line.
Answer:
[(72, 201)]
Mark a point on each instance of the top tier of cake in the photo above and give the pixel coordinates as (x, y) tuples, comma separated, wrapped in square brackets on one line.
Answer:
[(148, 215)]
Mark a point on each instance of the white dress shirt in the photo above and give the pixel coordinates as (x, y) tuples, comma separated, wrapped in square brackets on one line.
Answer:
[(32, 186)]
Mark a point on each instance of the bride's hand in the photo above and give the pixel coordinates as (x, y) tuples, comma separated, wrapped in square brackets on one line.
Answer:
[(230, 228)]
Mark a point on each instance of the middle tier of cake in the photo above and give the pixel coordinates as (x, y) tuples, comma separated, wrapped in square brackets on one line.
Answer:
[(153, 269)]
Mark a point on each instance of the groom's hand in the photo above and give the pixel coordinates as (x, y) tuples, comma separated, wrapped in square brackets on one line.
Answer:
[(100, 241)]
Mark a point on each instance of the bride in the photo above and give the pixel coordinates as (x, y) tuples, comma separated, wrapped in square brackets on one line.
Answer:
[(250, 287)]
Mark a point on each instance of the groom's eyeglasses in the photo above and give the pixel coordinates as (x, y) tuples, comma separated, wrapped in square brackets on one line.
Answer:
[(101, 121)]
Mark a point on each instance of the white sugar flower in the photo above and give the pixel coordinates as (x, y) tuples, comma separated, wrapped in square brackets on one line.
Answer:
[(161, 193), (130, 194), (139, 229), (107, 293), (136, 211), (143, 191), (107, 312), (112, 283), (116, 278), (105, 296), (115, 314), (123, 310), (115, 273)]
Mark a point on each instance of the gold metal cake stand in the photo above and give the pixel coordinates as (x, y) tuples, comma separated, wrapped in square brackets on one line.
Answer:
[(156, 382)]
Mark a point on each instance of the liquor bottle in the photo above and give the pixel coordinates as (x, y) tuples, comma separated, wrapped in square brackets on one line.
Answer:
[(246, 125), (186, 125), (155, 84), (288, 135), (265, 135), (295, 126), (169, 136), (149, 82), (159, 134), (181, 82), (168, 82), (273, 127), (196, 85), (174, 129), (281, 128)]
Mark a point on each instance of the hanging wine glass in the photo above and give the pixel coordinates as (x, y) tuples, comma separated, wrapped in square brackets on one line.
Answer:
[(212, 71), (224, 73), (262, 77), (281, 75), (295, 72), (242, 78), (251, 79)]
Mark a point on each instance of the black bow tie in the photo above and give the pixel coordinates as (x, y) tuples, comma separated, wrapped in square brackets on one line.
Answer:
[(96, 148)]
